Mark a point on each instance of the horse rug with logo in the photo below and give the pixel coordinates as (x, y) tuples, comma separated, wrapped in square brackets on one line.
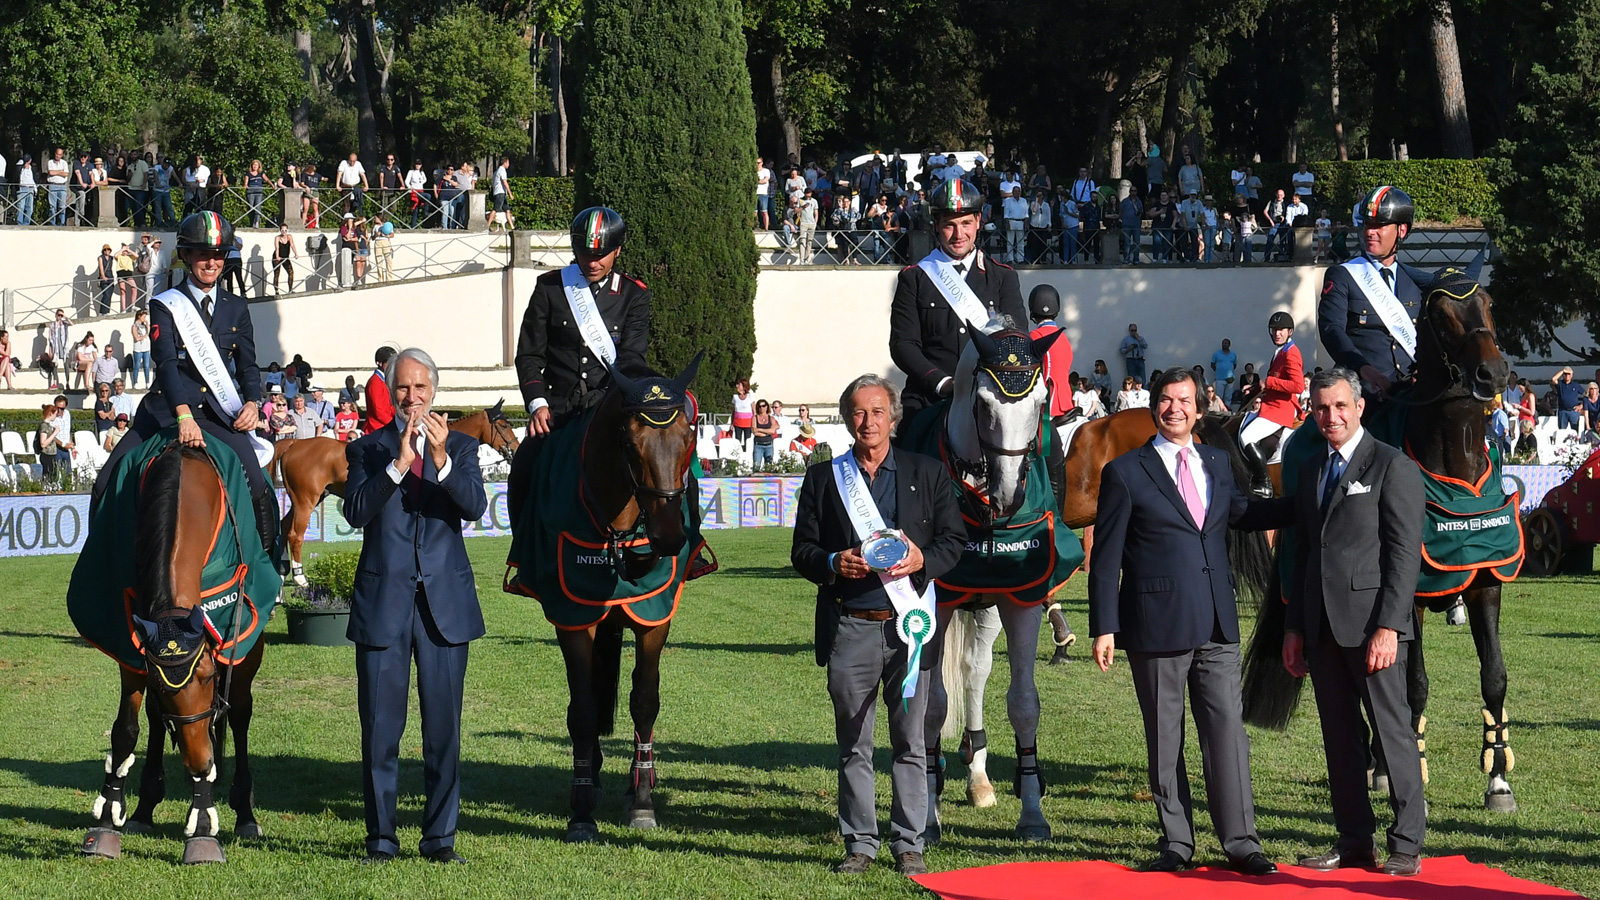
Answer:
[(102, 599), (1469, 526), (565, 557), (1025, 556)]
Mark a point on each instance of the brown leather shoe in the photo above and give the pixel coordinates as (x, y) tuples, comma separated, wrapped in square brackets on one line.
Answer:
[(910, 863), (853, 864), (1343, 857), (1402, 864)]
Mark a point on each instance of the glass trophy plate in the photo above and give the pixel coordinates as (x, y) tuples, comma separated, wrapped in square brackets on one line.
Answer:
[(884, 549)]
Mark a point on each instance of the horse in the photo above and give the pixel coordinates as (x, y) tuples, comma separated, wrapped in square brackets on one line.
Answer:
[(632, 475), (181, 506), (1459, 369), (312, 468)]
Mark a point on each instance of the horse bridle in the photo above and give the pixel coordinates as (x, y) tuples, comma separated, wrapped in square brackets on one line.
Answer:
[(1454, 376), (656, 416), (980, 467)]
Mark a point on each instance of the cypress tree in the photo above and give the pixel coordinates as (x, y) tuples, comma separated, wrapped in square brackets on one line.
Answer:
[(667, 139)]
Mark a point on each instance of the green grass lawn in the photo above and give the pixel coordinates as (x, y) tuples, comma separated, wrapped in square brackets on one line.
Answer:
[(746, 758)]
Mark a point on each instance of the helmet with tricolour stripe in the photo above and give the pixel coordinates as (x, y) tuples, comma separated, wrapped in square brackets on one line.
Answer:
[(955, 197), (205, 231), (1385, 205), (597, 231)]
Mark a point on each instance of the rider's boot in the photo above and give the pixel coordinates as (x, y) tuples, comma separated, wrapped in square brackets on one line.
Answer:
[(265, 505), (1260, 480)]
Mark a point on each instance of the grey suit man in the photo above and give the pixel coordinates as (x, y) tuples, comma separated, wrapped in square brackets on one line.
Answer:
[(1359, 519), (1160, 587)]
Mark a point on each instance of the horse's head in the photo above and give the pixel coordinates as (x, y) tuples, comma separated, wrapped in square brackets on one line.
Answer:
[(502, 436), (999, 384), (658, 444), (1456, 348)]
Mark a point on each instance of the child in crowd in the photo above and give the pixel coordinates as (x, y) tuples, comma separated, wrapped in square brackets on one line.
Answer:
[(1324, 234)]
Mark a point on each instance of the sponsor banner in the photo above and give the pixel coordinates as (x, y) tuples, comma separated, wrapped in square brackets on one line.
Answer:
[(42, 524), (1533, 481)]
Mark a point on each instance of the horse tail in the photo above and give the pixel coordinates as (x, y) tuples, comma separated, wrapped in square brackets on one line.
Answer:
[(1271, 694), (954, 670), (1250, 557), (157, 533), (605, 672)]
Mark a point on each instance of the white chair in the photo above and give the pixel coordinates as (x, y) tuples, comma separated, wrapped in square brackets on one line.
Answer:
[(6, 476), (12, 446), (85, 441)]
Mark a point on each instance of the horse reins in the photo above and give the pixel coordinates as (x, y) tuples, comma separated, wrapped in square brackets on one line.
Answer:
[(657, 416), (1454, 377)]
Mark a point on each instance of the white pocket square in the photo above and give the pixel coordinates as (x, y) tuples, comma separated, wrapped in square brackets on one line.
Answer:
[(1356, 487)]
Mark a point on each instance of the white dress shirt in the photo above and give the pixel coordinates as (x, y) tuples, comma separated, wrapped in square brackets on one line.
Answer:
[(397, 474), (1168, 451)]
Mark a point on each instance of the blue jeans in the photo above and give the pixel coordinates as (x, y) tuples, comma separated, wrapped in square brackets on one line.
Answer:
[(760, 455), (1161, 247), (1069, 246), (253, 198), (141, 362), (447, 207), (162, 214), (1130, 244), (25, 207), (1569, 418), (58, 204)]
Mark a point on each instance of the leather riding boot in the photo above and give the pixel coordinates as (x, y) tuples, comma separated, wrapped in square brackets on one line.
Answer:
[(1260, 481), (1056, 464), (265, 505)]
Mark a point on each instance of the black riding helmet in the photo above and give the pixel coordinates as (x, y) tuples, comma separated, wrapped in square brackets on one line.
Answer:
[(1385, 205), (1043, 303), (955, 197), (1280, 319), (205, 231), (598, 230)]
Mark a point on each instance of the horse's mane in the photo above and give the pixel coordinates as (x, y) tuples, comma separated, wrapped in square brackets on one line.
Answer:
[(158, 528)]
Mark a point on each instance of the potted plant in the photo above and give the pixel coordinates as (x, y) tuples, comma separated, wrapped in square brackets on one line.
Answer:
[(319, 613)]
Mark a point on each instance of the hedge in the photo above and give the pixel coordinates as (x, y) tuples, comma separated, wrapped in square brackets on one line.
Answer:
[(542, 204), (1451, 191)]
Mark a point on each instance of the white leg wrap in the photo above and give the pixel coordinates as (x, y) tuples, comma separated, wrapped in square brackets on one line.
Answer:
[(193, 824), (119, 813), (980, 762)]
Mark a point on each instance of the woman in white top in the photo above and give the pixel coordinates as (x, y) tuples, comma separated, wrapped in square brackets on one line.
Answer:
[(1324, 234), (84, 353), (1125, 396), (1085, 397), (141, 348)]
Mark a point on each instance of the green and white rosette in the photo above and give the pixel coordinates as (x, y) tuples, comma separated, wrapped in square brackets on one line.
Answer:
[(914, 618)]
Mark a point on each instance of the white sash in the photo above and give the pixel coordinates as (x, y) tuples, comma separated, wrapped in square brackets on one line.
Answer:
[(1383, 299), (202, 348), (914, 614), (580, 298), (954, 287)]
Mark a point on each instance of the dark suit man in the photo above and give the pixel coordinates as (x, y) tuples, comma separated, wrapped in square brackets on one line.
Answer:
[(1348, 322), (926, 335), (855, 620), (1159, 585), (412, 485), (1360, 520)]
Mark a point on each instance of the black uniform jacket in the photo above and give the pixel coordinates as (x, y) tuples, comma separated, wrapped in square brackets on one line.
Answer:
[(553, 362), (178, 380), (925, 336), (1351, 329)]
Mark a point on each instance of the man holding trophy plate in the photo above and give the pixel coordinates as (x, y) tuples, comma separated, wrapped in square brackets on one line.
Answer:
[(873, 528)]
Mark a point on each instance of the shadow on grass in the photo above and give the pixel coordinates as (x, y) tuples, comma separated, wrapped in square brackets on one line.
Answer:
[(64, 638), (760, 572)]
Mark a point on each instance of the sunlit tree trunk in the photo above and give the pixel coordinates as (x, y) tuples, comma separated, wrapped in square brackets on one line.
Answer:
[(1455, 131)]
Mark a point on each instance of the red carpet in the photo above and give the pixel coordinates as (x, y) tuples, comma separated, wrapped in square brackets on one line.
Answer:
[(1447, 878)]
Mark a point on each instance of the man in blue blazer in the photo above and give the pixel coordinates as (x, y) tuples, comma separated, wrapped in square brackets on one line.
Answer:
[(1160, 587), (412, 484)]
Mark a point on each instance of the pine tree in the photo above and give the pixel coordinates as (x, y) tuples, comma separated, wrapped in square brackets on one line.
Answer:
[(667, 139)]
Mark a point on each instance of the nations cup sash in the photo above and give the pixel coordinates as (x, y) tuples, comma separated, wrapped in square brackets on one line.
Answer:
[(580, 298), (202, 349), (1383, 299), (941, 268), (914, 620)]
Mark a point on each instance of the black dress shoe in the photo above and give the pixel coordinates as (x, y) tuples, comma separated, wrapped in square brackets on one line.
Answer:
[(1343, 858), (377, 858), (910, 863), (1168, 861), (1255, 864), (1402, 864), (447, 855), (854, 864)]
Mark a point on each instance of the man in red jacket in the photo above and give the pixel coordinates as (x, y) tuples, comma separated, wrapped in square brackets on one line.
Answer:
[(380, 407), (1263, 434)]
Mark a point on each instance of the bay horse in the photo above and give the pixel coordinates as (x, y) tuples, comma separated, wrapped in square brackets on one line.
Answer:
[(633, 477), (187, 687), (312, 468), (1459, 369)]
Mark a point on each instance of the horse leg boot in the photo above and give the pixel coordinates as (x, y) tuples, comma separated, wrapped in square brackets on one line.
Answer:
[(1022, 705), (110, 807), (200, 831), (1483, 612), (642, 782), (1061, 634), (979, 659)]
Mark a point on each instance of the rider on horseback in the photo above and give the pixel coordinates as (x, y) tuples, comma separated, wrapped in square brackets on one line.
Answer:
[(1274, 420), (580, 319), (193, 385)]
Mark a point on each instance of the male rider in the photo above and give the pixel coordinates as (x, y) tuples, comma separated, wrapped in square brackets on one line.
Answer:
[(580, 319), (1280, 405), (188, 390)]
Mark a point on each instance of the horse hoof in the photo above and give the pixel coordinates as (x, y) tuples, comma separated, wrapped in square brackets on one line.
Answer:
[(1033, 834), (641, 818), (582, 832), (1380, 784), (249, 831), (202, 850), (138, 826), (102, 842), (1060, 658), (981, 794), (1500, 803)]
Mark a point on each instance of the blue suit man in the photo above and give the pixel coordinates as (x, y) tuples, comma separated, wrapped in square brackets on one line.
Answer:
[(412, 485)]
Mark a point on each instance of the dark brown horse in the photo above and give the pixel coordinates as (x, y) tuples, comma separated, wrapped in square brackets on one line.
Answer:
[(636, 456), (312, 468), (1459, 370), (191, 689)]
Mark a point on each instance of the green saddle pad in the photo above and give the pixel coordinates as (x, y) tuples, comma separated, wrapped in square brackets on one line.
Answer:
[(101, 597), (1024, 557), (561, 556)]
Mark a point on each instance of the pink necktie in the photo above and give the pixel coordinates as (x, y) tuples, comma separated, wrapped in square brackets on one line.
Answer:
[(1187, 489)]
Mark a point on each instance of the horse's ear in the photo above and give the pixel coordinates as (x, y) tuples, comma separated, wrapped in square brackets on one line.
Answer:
[(686, 377), (1042, 345), (147, 629), (987, 348), (628, 386), (495, 411)]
